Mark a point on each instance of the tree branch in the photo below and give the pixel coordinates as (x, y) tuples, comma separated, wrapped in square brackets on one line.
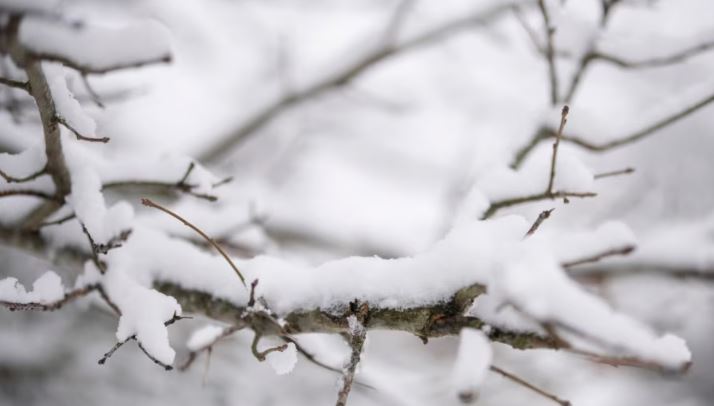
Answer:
[(344, 76), (550, 52), (522, 382)]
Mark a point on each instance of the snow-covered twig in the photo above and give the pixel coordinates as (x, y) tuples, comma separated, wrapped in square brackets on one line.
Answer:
[(119, 344), (357, 334), (51, 306)]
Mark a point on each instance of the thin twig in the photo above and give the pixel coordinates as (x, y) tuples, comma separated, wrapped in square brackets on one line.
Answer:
[(501, 204), (625, 250), (228, 331), (550, 52), (638, 135), (92, 94), (59, 220), (625, 171), (520, 381), (563, 121), (545, 214), (261, 355), (29, 192), (15, 84), (149, 203), (677, 57), (77, 134), (28, 178)]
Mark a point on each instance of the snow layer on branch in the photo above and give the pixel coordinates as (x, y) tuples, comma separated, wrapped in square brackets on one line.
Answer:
[(143, 312), (204, 337), (96, 48), (525, 273), (504, 183), (549, 295), (472, 362), (67, 106), (88, 204), (46, 289)]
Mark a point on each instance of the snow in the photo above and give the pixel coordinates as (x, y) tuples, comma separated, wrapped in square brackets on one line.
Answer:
[(46, 289), (96, 47), (68, 108), (283, 362), (473, 360), (549, 294), (143, 312), (89, 206), (204, 337)]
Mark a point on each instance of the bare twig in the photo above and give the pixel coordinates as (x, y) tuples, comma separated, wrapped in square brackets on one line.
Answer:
[(677, 57), (228, 331), (59, 220), (261, 355), (501, 204), (29, 192), (15, 84), (625, 250), (625, 171), (545, 214), (77, 134), (181, 185), (550, 52), (651, 129), (520, 381), (149, 203), (90, 90), (28, 178), (87, 69), (638, 135), (563, 121)]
